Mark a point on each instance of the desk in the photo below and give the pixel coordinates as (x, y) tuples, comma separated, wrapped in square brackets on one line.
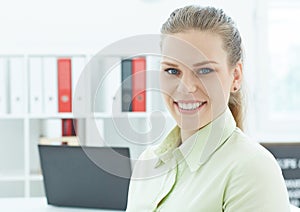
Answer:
[(38, 205)]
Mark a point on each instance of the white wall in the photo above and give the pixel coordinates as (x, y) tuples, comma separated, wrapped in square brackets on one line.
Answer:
[(64, 26)]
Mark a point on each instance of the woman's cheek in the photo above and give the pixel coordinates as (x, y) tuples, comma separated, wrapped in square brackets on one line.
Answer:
[(216, 93), (168, 84)]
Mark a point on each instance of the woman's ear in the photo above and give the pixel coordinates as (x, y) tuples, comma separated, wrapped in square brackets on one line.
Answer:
[(237, 77)]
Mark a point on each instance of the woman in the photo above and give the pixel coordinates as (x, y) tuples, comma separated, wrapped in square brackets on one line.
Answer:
[(206, 163)]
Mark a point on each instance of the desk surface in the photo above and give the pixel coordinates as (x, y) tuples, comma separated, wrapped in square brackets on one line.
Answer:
[(38, 205)]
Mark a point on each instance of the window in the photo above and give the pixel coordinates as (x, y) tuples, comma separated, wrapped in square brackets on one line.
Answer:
[(284, 52), (278, 65)]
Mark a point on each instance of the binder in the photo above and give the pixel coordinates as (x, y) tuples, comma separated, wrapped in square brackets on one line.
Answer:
[(50, 84), (139, 84), (155, 101), (35, 85), (126, 85), (92, 74), (68, 127), (3, 86), (17, 85), (115, 94), (64, 85), (107, 82), (79, 86)]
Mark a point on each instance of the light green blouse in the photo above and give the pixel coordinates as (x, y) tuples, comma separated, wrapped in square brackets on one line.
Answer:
[(217, 169)]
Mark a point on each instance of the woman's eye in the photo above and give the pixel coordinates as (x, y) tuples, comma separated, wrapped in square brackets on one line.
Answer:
[(172, 71), (205, 71)]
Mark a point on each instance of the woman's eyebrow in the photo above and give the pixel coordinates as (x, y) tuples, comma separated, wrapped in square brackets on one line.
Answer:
[(205, 62), (196, 64), (169, 64)]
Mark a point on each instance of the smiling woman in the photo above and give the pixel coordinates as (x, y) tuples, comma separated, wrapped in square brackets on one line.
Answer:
[(206, 163), (203, 77)]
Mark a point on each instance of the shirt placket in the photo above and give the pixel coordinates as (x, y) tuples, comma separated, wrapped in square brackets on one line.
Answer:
[(178, 172), (169, 183)]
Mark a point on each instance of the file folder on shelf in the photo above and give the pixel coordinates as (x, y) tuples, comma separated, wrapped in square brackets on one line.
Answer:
[(17, 85), (108, 86), (50, 85), (64, 85), (79, 90), (35, 85), (126, 85), (64, 71), (68, 127), (139, 84), (153, 93)]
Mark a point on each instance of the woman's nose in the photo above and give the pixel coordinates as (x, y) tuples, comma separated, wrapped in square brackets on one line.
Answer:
[(188, 83)]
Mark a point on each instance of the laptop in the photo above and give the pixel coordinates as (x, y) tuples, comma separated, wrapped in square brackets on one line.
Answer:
[(287, 155), (91, 177)]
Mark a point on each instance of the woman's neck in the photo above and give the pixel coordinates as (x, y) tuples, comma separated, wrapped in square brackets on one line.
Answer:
[(185, 134)]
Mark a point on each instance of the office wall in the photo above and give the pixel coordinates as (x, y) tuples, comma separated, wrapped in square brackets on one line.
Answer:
[(35, 26)]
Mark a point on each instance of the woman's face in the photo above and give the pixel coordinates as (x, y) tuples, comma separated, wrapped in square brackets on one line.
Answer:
[(195, 77)]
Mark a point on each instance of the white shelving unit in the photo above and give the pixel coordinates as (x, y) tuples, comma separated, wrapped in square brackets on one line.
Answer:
[(20, 174)]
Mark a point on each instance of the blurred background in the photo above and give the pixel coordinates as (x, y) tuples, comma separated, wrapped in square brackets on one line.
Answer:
[(269, 31), (65, 28)]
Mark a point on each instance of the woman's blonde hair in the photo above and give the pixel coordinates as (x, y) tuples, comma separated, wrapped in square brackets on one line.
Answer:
[(212, 20)]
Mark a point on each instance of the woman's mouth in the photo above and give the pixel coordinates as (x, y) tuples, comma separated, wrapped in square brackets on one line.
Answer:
[(189, 107)]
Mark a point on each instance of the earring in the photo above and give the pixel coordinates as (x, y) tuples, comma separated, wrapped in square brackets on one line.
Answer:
[(235, 89)]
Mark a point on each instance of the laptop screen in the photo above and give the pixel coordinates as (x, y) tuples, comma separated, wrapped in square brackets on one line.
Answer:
[(93, 177), (288, 157)]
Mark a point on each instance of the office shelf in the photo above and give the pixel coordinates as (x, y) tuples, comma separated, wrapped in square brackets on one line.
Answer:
[(12, 175), (20, 172)]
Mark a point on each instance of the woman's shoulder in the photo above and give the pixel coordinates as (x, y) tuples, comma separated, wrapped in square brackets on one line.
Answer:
[(244, 150), (254, 176)]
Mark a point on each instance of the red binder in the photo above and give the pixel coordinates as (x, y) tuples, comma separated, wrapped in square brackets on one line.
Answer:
[(64, 85), (64, 74), (66, 127), (139, 84), (69, 127)]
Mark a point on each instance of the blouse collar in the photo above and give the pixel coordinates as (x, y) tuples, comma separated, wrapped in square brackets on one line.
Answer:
[(198, 148)]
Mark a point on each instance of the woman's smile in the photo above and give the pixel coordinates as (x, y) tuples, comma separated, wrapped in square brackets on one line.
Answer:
[(189, 107)]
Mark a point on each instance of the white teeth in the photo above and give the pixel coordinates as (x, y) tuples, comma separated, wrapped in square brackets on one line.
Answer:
[(189, 106)]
